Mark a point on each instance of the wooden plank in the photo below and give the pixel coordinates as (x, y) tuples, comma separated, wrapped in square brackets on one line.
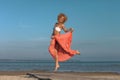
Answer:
[(38, 76)]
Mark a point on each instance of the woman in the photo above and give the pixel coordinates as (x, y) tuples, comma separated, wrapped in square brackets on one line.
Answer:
[(60, 45)]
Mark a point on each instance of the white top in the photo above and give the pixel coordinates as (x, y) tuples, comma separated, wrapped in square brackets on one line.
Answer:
[(58, 29)]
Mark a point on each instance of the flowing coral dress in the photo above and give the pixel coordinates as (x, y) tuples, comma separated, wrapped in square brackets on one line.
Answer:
[(62, 43)]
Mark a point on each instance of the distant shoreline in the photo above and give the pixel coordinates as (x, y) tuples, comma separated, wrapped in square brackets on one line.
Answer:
[(10, 60)]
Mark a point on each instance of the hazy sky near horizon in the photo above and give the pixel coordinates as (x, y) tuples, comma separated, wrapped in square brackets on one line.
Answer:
[(26, 27)]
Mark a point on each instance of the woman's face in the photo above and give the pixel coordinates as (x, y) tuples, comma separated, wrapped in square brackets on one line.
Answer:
[(61, 19)]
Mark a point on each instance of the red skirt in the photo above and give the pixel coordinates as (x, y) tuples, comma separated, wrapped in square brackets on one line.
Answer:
[(62, 43)]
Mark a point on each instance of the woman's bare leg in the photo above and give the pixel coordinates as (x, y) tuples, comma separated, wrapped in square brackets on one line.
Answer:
[(56, 61)]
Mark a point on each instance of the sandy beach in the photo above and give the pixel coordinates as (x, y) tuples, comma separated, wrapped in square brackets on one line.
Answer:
[(23, 75), (15, 75)]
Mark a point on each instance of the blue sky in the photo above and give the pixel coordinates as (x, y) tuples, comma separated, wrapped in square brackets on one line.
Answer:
[(26, 26)]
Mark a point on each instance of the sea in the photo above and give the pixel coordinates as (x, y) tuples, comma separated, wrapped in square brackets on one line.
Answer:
[(70, 66)]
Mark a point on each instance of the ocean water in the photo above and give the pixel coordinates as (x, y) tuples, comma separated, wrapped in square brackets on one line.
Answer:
[(47, 65)]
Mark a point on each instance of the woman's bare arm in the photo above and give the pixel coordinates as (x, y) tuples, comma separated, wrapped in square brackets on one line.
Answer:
[(54, 31), (66, 30)]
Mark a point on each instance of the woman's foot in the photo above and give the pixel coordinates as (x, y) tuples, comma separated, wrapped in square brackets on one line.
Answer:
[(78, 53), (56, 68)]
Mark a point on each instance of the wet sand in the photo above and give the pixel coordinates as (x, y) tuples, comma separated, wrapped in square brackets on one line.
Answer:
[(23, 75)]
